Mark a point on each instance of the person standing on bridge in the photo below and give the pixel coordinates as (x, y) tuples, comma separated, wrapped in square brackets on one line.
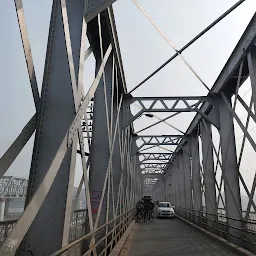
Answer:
[(152, 209), (139, 208), (147, 210)]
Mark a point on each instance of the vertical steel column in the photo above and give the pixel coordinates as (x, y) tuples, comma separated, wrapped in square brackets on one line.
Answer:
[(230, 169), (168, 185), (138, 183), (128, 167), (55, 116), (100, 145), (134, 162), (164, 182), (181, 181), (208, 169), (124, 167), (115, 176), (173, 185), (164, 187), (161, 190), (196, 177), (116, 159), (187, 180), (251, 57), (141, 185), (177, 183), (158, 191)]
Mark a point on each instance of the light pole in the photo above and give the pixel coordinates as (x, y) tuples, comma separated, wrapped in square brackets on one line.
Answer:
[(150, 115)]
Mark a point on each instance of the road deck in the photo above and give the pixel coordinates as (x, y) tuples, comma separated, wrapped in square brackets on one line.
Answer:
[(170, 237)]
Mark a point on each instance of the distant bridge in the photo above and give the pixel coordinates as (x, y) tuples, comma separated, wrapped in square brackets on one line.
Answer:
[(16, 187), (13, 187)]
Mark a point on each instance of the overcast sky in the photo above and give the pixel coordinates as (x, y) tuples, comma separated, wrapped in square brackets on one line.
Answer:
[(143, 50)]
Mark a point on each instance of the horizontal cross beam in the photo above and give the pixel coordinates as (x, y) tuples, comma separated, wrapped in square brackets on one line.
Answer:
[(154, 153), (154, 163), (162, 104), (158, 140), (154, 158)]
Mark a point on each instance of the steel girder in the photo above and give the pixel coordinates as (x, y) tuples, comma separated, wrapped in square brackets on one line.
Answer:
[(93, 8), (163, 104), (155, 155), (144, 161), (154, 141), (163, 140)]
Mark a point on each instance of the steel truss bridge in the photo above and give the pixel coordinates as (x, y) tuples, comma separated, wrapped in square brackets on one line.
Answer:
[(13, 187), (118, 168), (16, 187)]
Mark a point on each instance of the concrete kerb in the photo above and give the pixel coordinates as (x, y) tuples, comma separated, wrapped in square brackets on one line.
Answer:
[(119, 246), (224, 242)]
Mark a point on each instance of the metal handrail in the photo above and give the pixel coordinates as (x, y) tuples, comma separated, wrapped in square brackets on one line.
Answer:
[(110, 232), (85, 237), (220, 215), (7, 225), (225, 232), (225, 224), (206, 224), (16, 219)]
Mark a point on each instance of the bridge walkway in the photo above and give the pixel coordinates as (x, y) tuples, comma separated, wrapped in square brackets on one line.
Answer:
[(164, 237)]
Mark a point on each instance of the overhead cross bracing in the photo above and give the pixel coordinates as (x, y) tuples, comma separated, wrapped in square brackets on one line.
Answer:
[(110, 133)]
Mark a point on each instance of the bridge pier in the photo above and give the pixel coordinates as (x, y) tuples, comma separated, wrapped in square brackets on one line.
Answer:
[(6, 207), (2, 208)]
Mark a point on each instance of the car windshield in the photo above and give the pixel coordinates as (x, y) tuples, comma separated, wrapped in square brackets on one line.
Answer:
[(164, 205)]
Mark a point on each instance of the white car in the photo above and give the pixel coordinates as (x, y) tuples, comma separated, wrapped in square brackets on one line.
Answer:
[(165, 209)]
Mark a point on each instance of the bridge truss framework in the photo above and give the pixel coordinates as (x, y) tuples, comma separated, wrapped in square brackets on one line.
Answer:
[(116, 171)]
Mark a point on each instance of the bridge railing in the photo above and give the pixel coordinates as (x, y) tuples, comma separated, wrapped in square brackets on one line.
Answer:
[(112, 230), (77, 225), (219, 225), (5, 228)]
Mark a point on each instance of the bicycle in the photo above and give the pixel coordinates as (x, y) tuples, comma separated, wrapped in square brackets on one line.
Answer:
[(147, 216), (139, 216)]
